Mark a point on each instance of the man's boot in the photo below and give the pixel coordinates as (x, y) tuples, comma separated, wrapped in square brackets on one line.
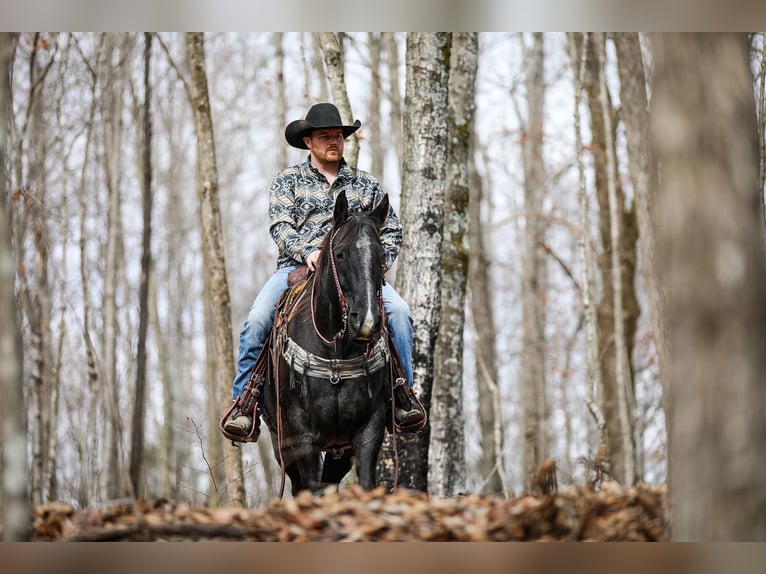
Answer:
[(406, 413), (240, 424)]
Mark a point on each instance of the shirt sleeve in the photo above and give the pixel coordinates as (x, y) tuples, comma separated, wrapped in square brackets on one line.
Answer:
[(391, 232), (282, 218)]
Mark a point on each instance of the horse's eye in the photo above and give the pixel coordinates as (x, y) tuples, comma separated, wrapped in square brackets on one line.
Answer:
[(339, 256)]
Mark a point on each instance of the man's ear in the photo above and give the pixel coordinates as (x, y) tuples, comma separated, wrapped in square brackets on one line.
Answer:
[(380, 213), (340, 214)]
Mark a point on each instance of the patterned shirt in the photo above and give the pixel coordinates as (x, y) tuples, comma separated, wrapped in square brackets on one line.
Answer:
[(301, 203)]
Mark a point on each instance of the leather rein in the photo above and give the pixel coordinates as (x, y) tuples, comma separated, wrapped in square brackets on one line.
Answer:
[(341, 298)]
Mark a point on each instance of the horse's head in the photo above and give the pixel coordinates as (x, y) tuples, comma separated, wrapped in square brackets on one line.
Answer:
[(355, 258)]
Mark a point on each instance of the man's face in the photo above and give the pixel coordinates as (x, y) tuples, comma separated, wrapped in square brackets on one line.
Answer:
[(326, 144)]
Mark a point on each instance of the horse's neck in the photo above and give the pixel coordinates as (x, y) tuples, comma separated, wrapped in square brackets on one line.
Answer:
[(325, 304)]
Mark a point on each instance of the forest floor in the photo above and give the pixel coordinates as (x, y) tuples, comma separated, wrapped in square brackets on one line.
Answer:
[(610, 513)]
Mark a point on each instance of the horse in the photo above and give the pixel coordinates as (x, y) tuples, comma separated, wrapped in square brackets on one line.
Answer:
[(328, 395)]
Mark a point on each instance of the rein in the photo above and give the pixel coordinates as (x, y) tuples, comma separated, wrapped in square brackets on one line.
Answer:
[(341, 298)]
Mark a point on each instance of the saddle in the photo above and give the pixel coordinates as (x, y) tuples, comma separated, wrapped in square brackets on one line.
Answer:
[(263, 370)]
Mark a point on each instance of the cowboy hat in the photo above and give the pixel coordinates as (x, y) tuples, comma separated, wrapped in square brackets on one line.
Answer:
[(319, 116)]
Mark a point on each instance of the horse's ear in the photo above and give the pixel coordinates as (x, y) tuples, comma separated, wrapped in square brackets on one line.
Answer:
[(380, 213), (341, 208)]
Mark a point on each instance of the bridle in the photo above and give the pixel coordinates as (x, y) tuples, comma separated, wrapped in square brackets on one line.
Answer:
[(342, 302), (341, 297)]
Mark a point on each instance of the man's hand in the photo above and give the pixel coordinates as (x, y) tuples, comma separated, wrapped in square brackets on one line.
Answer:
[(312, 259)]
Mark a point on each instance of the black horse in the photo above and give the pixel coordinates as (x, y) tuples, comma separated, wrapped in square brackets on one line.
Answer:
[(329, 379)]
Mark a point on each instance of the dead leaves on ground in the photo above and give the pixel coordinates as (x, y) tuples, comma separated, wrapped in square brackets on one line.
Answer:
[(611, 513)]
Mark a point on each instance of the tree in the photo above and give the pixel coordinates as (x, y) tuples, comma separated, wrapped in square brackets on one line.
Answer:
[(392, 53), (15, 510), (446, 472), (616, 263), (418, 277), (622, 379), (491, 468), (595, 397), (210, 215), (645, 178), (713, 265), (120, 48), (333, 58), (533, 277), (139, 405), (374, 46)]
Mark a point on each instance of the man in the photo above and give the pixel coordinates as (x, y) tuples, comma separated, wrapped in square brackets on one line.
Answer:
[(301, 203)]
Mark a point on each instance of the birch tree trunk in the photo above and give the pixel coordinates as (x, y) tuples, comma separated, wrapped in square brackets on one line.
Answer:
[(533, 277), (418, 276), (13, 446), (713, 264), (139, 405), (645, 178), (334, 61), (578, 47), (446, 464), (210, 214)]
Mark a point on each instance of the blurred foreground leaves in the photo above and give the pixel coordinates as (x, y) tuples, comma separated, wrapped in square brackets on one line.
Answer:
[(613, 513)]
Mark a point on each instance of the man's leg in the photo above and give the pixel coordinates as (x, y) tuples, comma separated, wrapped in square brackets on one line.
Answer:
[(251, 340), (400, 327)]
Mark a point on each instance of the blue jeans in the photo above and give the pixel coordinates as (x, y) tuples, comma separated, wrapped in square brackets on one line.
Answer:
[(261, 318)]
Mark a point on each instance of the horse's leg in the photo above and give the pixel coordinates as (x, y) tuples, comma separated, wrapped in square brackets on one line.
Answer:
[(333, 470), (306, 457), (366, 445)]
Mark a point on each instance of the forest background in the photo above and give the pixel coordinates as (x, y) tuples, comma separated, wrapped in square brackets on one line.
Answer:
[(557, 356)]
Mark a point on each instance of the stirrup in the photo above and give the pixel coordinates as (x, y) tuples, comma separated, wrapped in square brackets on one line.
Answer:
[(406, 400), (255, 430)]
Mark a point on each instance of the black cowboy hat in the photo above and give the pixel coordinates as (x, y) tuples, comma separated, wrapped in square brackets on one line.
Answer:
[(319, 116)]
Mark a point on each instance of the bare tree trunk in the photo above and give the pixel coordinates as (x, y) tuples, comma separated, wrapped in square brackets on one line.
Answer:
[(761, 103), (334, 61), (418, 277), (281, 97), (374, 139), (713, 263), (139, 405), (491, 467), (319, 66), (603, 120), (15, 509), (533, 279), (446, 465), (211, 239), (216, 448), (761, 115), (392, 51), (644, 172), (622, 369), (578, 53), (91, 358), (113, 484)]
